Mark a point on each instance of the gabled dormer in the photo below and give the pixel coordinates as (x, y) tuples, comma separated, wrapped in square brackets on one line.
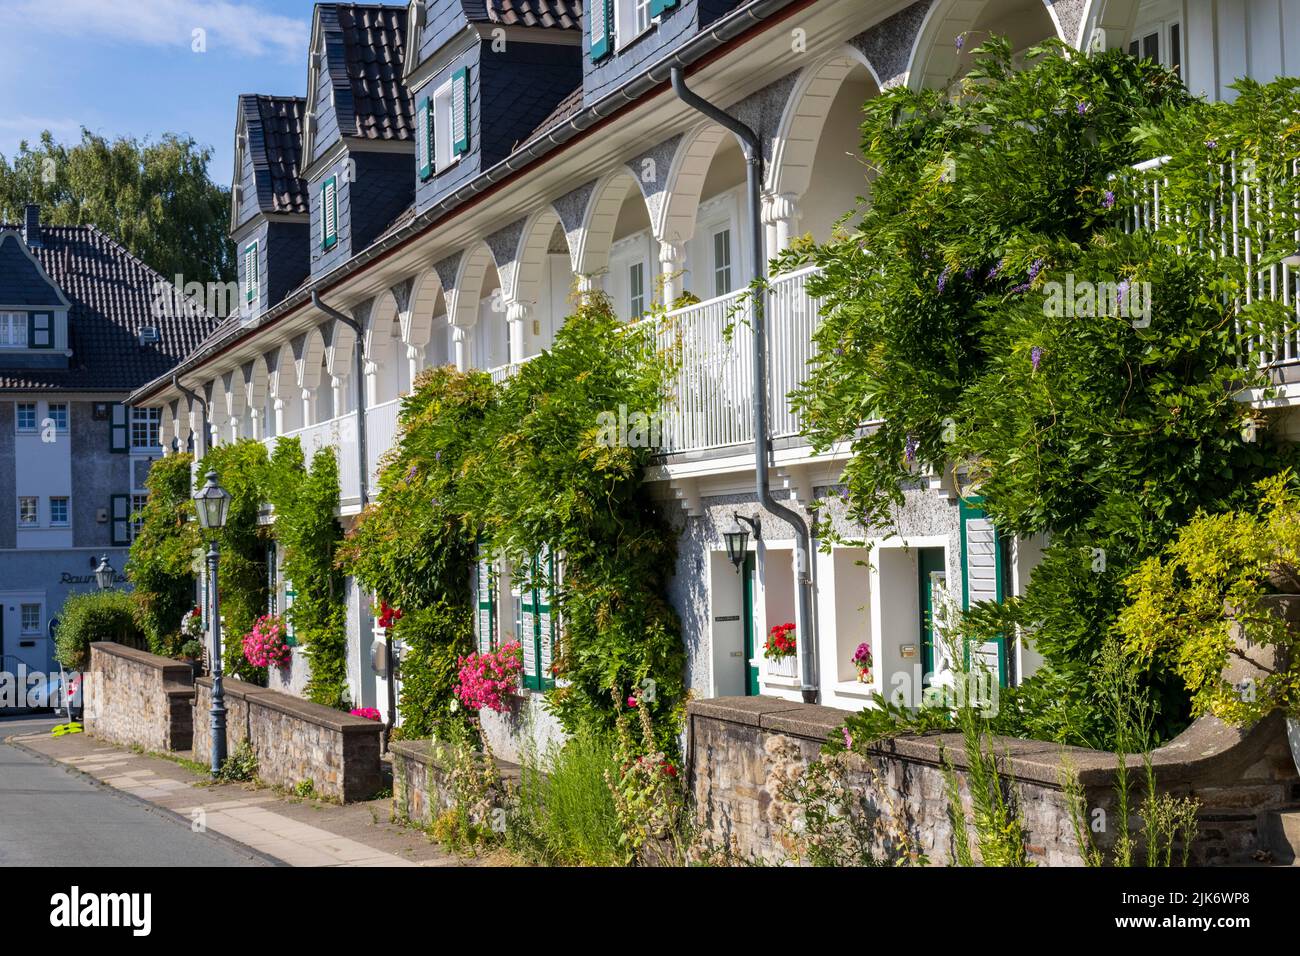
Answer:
[(269, 213), (33, 309), (484, 74), (621, 38), (358, 139)]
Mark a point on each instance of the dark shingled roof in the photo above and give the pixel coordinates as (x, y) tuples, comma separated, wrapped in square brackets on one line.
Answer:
[(373, 39), (112, 294), (561, 14), (273, 125), (570, 106)]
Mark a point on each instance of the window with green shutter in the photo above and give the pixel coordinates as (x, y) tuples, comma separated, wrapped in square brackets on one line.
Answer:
[(120, 519), (537, 621), (119, 428), (602, 29), (485, 600), (329, 213), (982, 578), (251, 273), (460, 112), (40, 330), (424, 137)]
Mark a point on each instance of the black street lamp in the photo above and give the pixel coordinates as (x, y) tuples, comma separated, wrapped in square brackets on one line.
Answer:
[(212, 502), (738, 539), (104, 574)]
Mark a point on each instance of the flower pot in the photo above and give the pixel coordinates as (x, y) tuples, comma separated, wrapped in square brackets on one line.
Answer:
[(783, 666)]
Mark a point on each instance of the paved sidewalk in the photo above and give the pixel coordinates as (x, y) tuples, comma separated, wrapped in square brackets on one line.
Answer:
[(285, 829)]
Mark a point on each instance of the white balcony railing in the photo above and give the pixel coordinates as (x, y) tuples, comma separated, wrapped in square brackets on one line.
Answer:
[(1240, 221), (339, 433), (381, 435)]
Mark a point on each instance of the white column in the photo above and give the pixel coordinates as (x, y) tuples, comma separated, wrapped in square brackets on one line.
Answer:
[(338, 385), (516, 316), (371, 371), (783, 212), (460, 346), (278, 408), (672, 258), (308, 418), (256, 418)]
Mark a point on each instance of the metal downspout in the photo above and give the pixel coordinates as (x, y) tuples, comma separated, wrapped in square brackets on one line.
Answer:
[(749, 144)]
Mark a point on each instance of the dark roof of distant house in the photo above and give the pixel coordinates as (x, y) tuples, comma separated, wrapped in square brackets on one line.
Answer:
[(373, 39), (112, 296), (273, 125), (570, 106), (21, 281), (560, 14)]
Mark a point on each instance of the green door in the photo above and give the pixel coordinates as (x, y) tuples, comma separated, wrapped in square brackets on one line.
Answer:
[(931, 573), (751, 649)]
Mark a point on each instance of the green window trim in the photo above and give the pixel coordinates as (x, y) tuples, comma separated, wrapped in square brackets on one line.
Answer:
[(975, 521), (602, 29), (485, 599), (329, 213), (425, 136), (120, 519), (661, 6), (460, 112), (252, 274), (40, 325)]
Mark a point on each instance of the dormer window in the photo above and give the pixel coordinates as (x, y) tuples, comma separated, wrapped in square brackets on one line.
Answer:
[(13, 330), (448, 140), (251, 274), (329, 213), (631, 19)]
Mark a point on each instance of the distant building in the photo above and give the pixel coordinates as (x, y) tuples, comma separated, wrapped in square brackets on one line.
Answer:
[(82, 323)]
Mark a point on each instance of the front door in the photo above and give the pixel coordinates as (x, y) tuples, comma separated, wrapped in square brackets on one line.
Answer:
[(932, 578), (747, 576)]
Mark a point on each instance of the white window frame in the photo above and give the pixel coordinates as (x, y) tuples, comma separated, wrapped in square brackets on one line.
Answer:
[(67, 511), (636, 299), (1161, 28), (625, 251), (715, 267), (22, 618), (18, 418), (444, 152), (717, 213), (13, 330), (49, 413), (138, 501), (628, 25), (35, 503), (151, 420)]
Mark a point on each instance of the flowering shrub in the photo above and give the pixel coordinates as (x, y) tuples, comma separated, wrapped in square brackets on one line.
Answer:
[(388, 615), (648, 794), (780, 642), (370, 713), (862, 661), (192, 624), (486, 680), (264, 645)]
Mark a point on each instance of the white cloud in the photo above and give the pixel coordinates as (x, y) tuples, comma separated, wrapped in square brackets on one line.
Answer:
[(239, 27)]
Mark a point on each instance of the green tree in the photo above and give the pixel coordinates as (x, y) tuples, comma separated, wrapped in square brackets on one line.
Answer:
[(155, 198)]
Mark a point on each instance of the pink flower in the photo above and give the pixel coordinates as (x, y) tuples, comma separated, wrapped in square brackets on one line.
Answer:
[(631, 701), (848, 737)]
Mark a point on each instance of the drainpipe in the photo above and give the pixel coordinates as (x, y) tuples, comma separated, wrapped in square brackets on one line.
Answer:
[(803, 539), (358, 354)]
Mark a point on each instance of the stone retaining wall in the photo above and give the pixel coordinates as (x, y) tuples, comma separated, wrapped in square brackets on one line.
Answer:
[(139, 699), (295, 740), (422, 786), (740, 747)]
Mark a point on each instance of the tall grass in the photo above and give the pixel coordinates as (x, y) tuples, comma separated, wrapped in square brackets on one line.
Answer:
[(564, 813)]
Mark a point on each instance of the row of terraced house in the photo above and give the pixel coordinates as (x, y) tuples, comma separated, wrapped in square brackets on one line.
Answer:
[(459, 166)]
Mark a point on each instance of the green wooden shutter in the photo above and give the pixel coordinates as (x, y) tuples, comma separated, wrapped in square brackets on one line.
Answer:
[(528, 625), (602, 28), (981, 576), (250, 272), (119, 428), (290, 597), (424, 137), (329, 213), (460, 112), (40, 330), (485, 597), (546, 620), (120, 519), (660, 6)]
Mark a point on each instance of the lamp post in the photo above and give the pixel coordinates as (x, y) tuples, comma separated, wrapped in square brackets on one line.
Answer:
[(738, 539), (104, 574), (212, 502)]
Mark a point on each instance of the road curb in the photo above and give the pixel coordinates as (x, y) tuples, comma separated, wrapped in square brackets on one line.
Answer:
[(229, 842)]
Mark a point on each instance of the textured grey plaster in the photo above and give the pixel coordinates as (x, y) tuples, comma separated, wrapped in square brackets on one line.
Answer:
[(447, 269), (1068, 14), (8, 478), (97, 474), (402, 293), (888, 45), (650, 169), (762, 111), (572, 209), (504, 245)]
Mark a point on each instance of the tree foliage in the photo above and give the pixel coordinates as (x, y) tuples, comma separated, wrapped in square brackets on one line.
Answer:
[(153, 197), (160, 565)]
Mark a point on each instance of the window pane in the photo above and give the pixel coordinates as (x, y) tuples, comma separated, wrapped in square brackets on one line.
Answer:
[(27, 416), (722, 262), (58, 511), (1151, 47), (27, 511), (59, 415), (31, 618), (636, 286)]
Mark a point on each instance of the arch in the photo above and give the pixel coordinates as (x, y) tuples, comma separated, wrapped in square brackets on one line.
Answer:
[(255, 379), (685, 183), (591, 254), (1115, 19), (340, 340), (789, 170), (379, 327), (463, 304), (417, 321), (936, 60), (309, 358), (283, 390), (531, 255)]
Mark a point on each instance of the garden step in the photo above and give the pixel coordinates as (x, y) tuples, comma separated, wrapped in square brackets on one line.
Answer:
[(1283, 829)]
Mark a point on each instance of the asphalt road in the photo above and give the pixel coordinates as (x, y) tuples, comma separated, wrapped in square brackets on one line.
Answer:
[(50, 816)]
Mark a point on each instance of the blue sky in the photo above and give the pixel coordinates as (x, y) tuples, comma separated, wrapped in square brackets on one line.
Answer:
[(129, 68)]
